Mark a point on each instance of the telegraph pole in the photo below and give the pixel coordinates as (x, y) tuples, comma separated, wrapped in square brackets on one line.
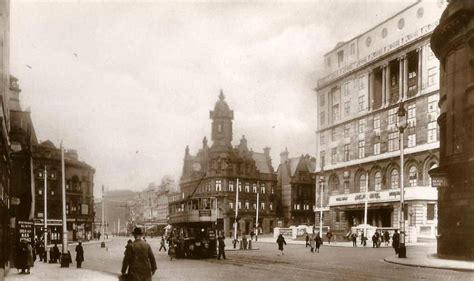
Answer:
[(45, 194), (236, 211), (65, 257)]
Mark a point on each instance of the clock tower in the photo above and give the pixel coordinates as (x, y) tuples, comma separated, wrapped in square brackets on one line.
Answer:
[(222, 118)]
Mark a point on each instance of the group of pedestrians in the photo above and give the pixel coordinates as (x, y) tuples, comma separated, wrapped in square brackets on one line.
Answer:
[(314, 242)]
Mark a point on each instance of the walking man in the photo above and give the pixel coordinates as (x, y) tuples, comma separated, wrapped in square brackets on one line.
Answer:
[(221, 246), (354, 239), (162, 244), (139, 259), (281, 241), (307, 240), (79, 255), (319, 242)]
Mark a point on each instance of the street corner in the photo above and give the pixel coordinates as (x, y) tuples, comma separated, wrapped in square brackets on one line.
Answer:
[(431, 261)]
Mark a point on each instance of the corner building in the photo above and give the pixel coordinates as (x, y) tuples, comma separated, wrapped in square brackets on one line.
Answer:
[(358, 140), (210, 178)]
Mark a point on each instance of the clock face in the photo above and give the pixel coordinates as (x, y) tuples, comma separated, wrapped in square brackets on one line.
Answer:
[(196, 167)]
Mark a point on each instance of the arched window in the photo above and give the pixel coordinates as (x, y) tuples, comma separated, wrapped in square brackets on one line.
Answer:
[(432, 166), (412, 176), (378, 181), (362, 180), (394, 179), (334, 185)]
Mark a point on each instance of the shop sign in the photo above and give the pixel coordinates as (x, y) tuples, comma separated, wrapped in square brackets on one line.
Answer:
[(439, 181), (25, 230)]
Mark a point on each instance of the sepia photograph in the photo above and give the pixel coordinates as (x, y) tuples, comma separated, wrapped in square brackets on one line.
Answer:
[(236, 140)]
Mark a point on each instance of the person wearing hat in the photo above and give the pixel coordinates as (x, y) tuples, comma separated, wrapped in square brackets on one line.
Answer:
[(139, 259)]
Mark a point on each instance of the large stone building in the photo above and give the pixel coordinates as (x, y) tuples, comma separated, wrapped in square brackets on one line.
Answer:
[(296, 184), (211, 177), (364, 81)]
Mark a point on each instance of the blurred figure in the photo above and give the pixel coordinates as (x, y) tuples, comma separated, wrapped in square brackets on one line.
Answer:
[(281, 241), (79, 255), (139, 259), (221, 248)]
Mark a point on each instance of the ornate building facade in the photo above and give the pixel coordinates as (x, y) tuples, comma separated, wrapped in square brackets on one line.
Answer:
[(209, 181), (358, 139), (296, 180)]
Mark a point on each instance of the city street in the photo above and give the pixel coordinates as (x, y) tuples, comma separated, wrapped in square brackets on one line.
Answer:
[(297, 264)]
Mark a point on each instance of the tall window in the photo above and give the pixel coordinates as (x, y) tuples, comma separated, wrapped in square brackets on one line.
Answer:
[(346, 152), (321, 138), (340, 58), (432, 131), (392, 116), (334, 185), (394, 179), (347, 107), (345, 89), (335, 112), (377, 148), (361, 127), (347, 130), (361, 103), (433, 103), (231, 205), (352, 49), (262, 205), (262, 188), (411, 118), (322, 155), (362, 82), (411, 140), (430, 211), (322, 99), (322, 118), (432, 73), (334, 155), (347, 189), (247, 187), (412, 176), (240, 186), (254, 188), (362, 149), (218, 185), (231, 186), (393, 141), (378, 181), (377, 122), (362, 180), (333, 134)]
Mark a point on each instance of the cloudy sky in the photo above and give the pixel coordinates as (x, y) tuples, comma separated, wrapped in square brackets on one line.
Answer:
[(130, 83)]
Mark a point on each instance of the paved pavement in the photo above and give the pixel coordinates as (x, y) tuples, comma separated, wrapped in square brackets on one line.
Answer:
[(47, 271)]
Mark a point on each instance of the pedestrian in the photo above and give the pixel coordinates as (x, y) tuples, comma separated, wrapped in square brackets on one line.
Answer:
[(312, 243), (329, 236), (41, 251), (22, 257), (172, 249), (319, 242), (29, 257), (98, 235), (386, 236), (139, 259), (396, 241), (54, 254), (162, 244), (79, 255), (307, 240), (354, 239), (221, 247), (281, 241)]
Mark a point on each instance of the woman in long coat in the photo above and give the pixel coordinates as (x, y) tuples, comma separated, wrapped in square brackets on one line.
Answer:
[(281, 241), (79, 254)]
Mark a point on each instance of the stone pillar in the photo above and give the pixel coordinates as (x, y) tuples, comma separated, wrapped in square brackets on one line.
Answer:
[(387, 83), (419, 76), (384, 90), (453, 43), (400, 77), (405, 77)]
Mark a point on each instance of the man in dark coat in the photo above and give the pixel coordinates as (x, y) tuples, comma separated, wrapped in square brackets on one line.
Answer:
[(139, 259), (319, 242), (396, 241), (281, 241), (307, 240), (79, 254), (354, 239), (221, 246), (329, 236)]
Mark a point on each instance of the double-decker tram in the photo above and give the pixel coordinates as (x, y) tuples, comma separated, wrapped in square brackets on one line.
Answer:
[(194, 233), (194, 239)]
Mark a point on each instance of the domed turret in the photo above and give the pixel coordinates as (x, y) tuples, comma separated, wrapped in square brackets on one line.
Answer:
[(222, 118)]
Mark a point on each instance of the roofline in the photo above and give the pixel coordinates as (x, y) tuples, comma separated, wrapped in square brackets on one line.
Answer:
[(374, 27)]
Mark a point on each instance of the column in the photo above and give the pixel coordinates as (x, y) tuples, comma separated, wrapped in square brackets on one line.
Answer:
[(384, 92), (387, 83), (370, 89), (405, 76), (400, 77), (419, 74)]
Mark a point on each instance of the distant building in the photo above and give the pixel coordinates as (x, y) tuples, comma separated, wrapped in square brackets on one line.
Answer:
[(79, 193), (357, 138), (210, 178), (296, 183)]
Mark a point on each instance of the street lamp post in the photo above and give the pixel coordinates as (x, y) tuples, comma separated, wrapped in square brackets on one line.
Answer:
[(402, 125), (321, 187)]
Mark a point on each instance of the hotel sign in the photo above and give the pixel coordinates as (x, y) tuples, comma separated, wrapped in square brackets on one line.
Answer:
[(378, 53), (391, 195)]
